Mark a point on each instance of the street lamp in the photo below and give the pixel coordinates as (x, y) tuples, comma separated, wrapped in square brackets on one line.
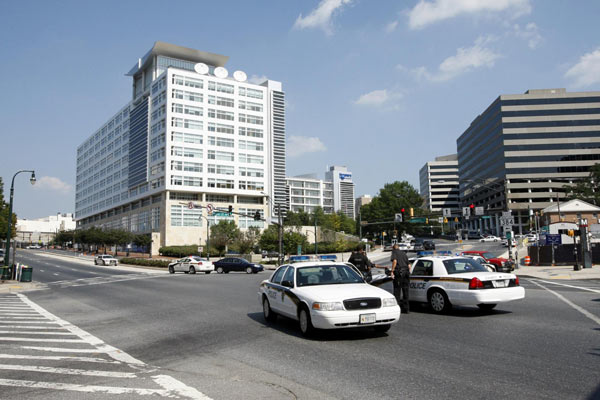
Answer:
[(207, 237), (9, 218), (280, 227)]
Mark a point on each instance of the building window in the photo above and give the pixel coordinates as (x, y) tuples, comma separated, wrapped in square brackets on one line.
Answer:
[(183, 216), (220, 183)]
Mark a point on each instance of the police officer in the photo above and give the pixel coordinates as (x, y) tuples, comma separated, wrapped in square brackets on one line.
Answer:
[(401, 276), (362, 262)]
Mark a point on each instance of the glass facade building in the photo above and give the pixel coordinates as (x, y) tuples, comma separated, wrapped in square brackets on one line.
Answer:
[(439, 184), (524, 151)]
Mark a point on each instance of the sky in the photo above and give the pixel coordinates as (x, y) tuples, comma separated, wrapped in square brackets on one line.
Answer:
[(379, 86)]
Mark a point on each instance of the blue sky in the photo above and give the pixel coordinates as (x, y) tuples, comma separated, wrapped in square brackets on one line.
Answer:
[(379, 86)]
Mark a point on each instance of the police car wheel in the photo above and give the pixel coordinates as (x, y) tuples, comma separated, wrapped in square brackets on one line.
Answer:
[(306, 327), (171, 270), (486, 307), (192, 270), (269, 315), (438, 301), (382, 328)]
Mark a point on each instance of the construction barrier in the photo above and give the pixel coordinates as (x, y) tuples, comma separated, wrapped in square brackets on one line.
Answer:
[(527, 260)]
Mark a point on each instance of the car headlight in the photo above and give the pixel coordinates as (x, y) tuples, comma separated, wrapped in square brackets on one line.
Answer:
[(389, 302), (328, 306)]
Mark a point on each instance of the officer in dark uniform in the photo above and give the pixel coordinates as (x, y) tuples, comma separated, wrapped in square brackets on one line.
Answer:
[(401, 276), (362, 262)]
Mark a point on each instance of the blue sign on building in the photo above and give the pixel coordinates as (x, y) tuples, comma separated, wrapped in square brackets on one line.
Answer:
[(553, 239), (345, 176)]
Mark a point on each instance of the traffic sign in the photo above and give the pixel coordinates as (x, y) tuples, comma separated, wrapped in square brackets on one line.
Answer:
[(553, 239), (478, 210), (466, 211), (506, 214), (190, 205), (209, 209), (200, 249), (507, 221), (398, 217), (446, 212), (441, 220)]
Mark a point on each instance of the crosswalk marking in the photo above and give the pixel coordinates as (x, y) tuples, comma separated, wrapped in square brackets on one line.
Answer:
[(29, 334)]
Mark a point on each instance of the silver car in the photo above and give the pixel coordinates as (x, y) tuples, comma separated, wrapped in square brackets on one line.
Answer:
[(105, 259)]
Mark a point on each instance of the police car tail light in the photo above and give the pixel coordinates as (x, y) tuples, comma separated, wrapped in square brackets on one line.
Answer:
[(328, 306), (475, 283), (517, 281)]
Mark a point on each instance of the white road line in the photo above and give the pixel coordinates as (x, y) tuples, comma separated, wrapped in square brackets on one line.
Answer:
[(18, 314), (55, 274), (28, 322), (84, 388), (13, 339), (575, 306), (36, 333), (29, 327), (58, 358), (66, 371), (61, 349), (27, 318), (173, 385), (571, 286)]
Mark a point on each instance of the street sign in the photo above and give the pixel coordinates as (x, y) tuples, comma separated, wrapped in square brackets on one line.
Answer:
[(466, 211), (441, 220), (200, 249), (478, 210), (190, 205), (398, 217), (364, 223), (209, 209), (486, 217), (221, 214), (553, 239), (446, 212), (507, 221), (506, 214)]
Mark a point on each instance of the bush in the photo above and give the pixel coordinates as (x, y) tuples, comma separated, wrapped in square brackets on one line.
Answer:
[(184, 251), (145, 262)]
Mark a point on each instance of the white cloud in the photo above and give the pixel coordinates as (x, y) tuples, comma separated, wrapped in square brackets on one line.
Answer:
[(530, 33), (52, 183), (587, 71), (429, 12), (257, 80), (391, 27), (298, 145), (465, 60), (321, 16), (377, 98)]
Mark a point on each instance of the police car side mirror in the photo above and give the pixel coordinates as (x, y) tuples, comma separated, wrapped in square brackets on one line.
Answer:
[(287, 284)]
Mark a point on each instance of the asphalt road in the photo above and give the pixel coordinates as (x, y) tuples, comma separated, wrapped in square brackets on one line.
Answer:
[(204, 335)]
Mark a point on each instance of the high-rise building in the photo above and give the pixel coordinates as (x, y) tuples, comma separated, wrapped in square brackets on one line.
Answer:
[(439, 184), (306, 192), (192, 136), (343, 189), (361, 201), (522, 151)]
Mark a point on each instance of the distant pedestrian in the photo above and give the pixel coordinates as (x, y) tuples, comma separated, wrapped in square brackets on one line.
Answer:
[(401, 277)]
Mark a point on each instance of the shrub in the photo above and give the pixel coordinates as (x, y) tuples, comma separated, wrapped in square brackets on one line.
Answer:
[(145, 262)]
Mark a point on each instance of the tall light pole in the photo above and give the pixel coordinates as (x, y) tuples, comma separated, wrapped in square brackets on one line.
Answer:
[(10, 211), (207, 237), (280, 227)]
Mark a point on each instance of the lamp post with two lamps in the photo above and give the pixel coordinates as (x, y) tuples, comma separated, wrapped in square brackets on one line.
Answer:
[(9, 218), (280, 227)]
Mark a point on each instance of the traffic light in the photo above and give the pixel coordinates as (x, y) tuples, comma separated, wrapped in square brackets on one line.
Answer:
[(402, 212), (427, 221), (412, 212), (257, 215), (230, 209), (472, 206)]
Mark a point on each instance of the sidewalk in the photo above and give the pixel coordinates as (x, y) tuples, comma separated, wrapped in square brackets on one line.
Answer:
[(16, 287)]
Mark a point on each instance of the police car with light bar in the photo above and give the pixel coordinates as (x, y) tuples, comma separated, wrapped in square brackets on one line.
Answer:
[(445, 281), (326, 295)]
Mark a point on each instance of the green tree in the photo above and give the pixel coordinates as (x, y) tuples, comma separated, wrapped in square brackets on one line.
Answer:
[(247, 240), (120, 237), (223, 234), (269, 239), (391, 199), (587, 189), (64, 237), (297, 218), (291, 240), (4, 216)]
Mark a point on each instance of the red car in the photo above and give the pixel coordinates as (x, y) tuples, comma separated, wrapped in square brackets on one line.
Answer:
[(501, 264)]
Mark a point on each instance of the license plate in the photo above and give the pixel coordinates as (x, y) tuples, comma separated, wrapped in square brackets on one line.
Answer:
[(499, 283), (367, 319)]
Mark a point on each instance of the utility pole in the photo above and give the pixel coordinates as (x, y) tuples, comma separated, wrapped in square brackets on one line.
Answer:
[(280, 234), (509, 237), (316, 246)]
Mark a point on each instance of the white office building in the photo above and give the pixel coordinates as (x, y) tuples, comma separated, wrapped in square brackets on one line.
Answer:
[(43, 230), (334, 193), (194, 137), (439, 184)]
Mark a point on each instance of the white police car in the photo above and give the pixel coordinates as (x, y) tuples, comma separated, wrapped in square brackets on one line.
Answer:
[(326, 295), (445, 281)]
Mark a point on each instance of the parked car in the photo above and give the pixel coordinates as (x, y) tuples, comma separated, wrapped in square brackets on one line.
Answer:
[(490, 238), (473, 235), (505, 242), (191, 265), (269, 254), (501, 264), (229, 264), (417, 245), (326, 295), (428, 245), (33, 246), (105, 259)]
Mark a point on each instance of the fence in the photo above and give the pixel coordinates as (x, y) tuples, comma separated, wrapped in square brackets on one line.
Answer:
[(563, 254)]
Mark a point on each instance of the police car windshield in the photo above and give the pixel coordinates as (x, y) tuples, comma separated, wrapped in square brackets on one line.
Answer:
[(326, 275), (462, 265)]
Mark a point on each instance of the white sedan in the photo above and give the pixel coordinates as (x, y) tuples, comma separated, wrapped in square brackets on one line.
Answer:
[(326, 295), (191, 265), (445, 281), (490, 238)]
